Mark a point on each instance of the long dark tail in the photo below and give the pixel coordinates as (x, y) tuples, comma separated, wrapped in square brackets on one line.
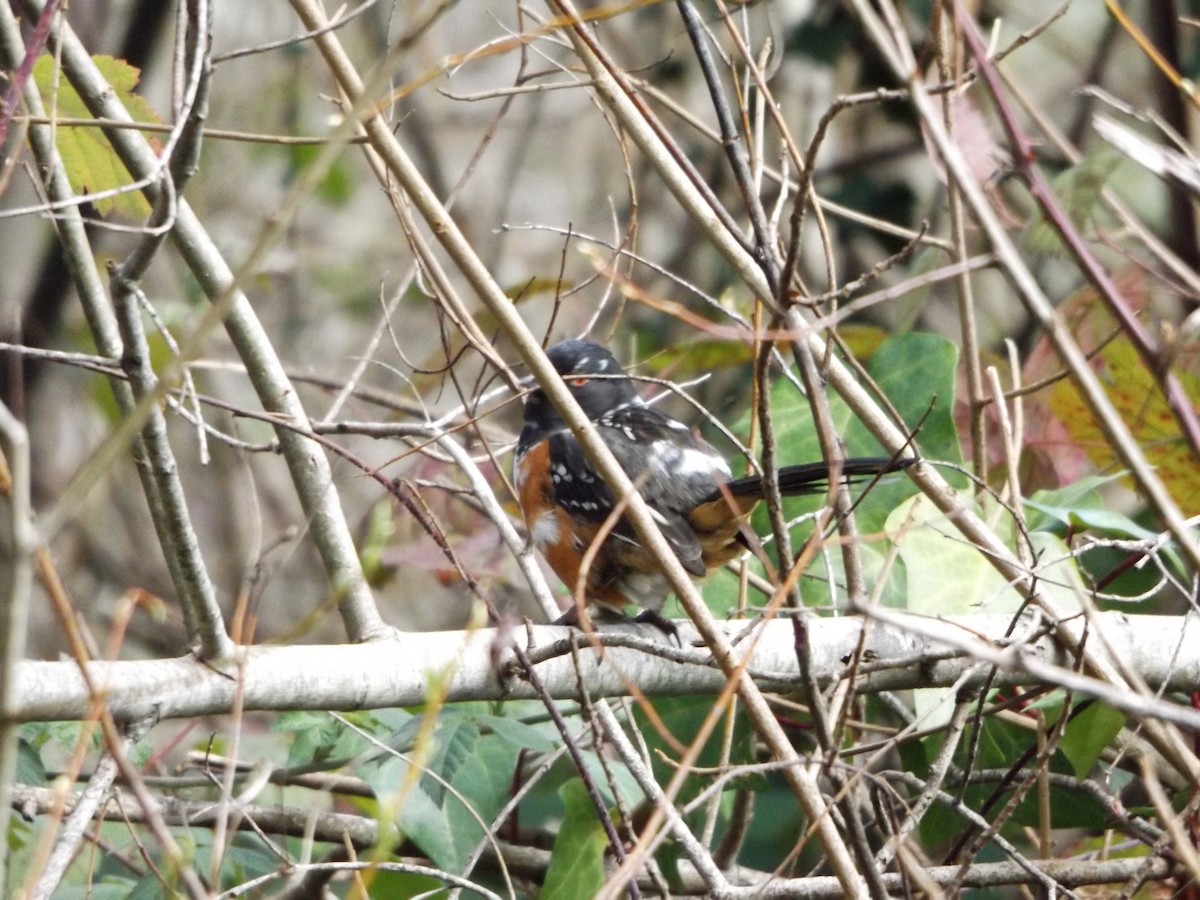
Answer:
[(813, 478)]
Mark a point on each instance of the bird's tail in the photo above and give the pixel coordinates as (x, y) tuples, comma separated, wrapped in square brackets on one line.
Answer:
[(813, 478)]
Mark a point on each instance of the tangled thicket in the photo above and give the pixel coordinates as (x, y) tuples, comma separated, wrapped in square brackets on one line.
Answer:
[(275, 285)]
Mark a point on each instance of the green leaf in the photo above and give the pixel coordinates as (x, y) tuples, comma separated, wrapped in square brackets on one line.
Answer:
[(1106, 521), (403, 884), (1078, 190), (245, 858), (63, 736), (815, 585), (577, 863), (108, 889), (540, 738), (30, 768), (321, 740), (465, 782), (91, 163), (914, 369), (1051, 509), (1059, 580), (1080, 507), (946, 576), (1088, 735), (916, 372), (148, 888), (721, 594), (698, 357)]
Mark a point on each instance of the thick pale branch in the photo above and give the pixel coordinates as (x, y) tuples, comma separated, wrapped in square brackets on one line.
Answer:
[(907, 652)]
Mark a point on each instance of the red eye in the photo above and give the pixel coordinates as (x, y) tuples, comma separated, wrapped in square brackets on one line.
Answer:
[(579, 382)]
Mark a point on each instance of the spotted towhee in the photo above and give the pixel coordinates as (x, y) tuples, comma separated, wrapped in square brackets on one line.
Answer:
[(697, 505)]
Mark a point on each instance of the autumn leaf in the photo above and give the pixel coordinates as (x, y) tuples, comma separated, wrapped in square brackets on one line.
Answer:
[(1132, 388), (1135, 393)]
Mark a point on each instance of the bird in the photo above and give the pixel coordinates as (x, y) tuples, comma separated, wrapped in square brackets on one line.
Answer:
[(699, 507)]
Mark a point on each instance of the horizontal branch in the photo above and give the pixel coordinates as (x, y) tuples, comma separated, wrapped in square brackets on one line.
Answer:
[(905, 652), (363, 832)]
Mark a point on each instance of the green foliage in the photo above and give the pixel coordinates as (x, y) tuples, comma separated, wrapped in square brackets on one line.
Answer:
[(404, 884), (91, 163), (945, 576), (321, 740), (1080, 507), (30, 769), (1088, 735), (1078, 190), (246, 857), (110, 889), (683, 361), (916, 373), (777, 827), (447, 803), (577, 864)]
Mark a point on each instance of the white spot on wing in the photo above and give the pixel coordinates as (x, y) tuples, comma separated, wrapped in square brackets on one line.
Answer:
[(700, 462), (686, 462)]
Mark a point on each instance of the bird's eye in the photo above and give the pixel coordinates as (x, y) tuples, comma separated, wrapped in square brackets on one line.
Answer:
[(579, 382)]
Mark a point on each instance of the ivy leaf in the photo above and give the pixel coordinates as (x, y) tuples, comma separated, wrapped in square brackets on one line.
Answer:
[(91, 163)]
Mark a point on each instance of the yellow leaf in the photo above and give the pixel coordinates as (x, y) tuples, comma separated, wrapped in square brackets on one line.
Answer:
[(1136, 395), (92, 165)]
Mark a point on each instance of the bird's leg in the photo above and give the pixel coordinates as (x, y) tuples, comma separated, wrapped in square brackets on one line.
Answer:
[(661, 622), (570, 617)]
